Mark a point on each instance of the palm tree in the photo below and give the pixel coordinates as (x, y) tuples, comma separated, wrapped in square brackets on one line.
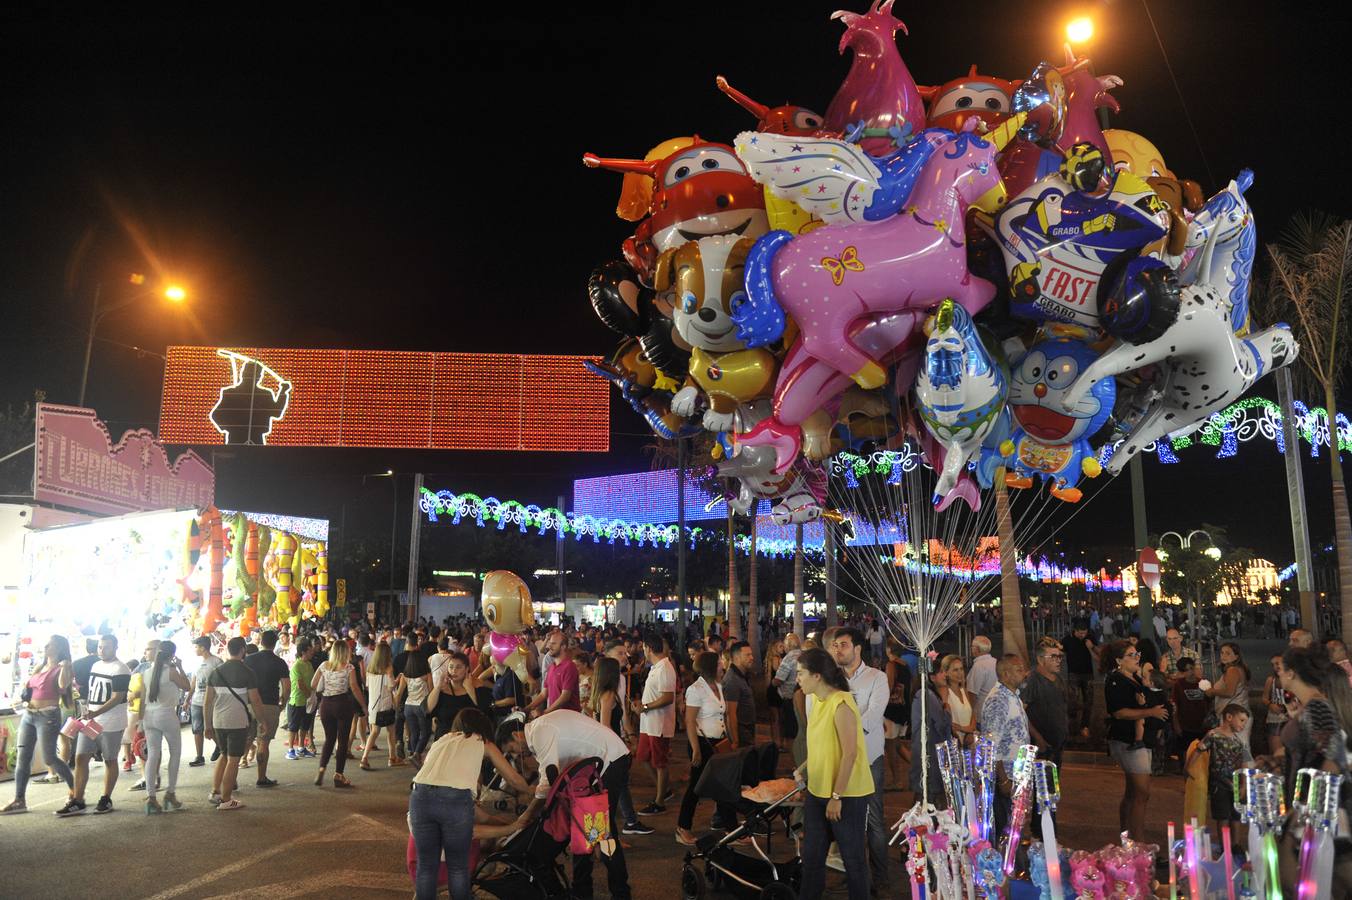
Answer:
[(1014, 638), (734, 611), (1311, 283), (798, 626)]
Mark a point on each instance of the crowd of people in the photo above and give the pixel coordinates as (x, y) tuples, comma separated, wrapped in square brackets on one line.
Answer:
[(844, 703)]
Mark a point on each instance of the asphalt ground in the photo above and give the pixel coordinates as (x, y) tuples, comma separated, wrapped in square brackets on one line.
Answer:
[(298, 840)]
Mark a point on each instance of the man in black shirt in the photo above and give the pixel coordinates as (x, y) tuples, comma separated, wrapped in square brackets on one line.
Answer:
[(1079, 648), (82, 666), (274, 689)]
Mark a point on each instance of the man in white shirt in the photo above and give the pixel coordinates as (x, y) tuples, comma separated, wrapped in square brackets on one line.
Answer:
[(656, 719), (559, 739), (869, 688), (981, 678)]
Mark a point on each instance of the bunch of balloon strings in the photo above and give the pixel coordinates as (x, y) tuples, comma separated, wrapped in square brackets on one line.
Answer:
[(937, 568)]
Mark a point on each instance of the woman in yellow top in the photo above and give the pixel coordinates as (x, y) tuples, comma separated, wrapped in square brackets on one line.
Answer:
[(839, 782), (442, 814)]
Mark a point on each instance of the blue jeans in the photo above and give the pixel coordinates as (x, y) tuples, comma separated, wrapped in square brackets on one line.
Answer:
[(415, 715), (39, 727), (848, 834), (442, 820)]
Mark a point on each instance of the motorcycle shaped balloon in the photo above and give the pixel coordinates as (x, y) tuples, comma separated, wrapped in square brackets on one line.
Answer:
[(1062, 235), (1204, 364)]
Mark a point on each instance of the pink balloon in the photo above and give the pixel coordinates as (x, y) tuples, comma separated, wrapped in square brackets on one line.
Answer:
[(503, 645), (831, 279), (879, 89)]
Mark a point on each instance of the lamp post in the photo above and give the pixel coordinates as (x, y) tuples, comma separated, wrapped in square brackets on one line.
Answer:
[(1185, 543), (394, 515), (173, 293)]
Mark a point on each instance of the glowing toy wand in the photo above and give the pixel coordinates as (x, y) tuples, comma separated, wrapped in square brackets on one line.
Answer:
[(1047, 784), (1022, 777)]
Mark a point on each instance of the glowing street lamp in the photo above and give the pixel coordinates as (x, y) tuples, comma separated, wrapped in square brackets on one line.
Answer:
[(1079, 30), (173, 293)]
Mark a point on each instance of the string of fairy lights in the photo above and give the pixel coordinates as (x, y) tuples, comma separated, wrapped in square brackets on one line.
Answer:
[(1240, 423)]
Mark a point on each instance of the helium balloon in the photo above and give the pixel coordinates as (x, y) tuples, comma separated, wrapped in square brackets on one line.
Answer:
[(1051, 434), (706, 278), (878, 91), (983, 97), (697, 191), (830, 277), (786, 119), (960, 391)]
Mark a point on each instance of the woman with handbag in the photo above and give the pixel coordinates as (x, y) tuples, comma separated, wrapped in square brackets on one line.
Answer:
[(336, 684), (41, 723), (380, 682), (705, 727)]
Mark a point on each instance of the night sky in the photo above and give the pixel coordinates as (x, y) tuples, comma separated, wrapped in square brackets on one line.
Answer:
[(367, 178)]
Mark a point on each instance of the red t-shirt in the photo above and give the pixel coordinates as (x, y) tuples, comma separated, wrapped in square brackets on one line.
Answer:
[(562, 677), (1192, 706)]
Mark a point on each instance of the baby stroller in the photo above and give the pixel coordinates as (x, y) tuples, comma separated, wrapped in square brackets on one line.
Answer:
[(529, 864), (726, 869)]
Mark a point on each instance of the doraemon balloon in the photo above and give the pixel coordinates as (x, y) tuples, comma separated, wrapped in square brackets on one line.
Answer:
[(1049, 440)]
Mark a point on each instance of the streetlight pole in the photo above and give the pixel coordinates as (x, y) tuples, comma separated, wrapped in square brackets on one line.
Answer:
[(89, 342), (173, 293)]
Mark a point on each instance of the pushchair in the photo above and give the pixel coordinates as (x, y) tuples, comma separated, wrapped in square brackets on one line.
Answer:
[(726, 869), (529, 863)]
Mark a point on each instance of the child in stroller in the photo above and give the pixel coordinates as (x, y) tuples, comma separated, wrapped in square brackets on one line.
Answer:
[(767, 807)]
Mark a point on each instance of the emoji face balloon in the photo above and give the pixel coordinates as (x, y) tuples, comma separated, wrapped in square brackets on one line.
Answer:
[(1136, 154)]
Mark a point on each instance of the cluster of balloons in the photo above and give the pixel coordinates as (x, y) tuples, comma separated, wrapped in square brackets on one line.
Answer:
[(251, 573), (979, 267)]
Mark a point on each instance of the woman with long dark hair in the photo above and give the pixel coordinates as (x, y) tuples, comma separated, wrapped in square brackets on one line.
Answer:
[(336, 683), (46, 687), (453, 691), (1232, 686), (162, 691), (607, 707), (1319, 742), (1125, 695), (839, 782), (415, 683)]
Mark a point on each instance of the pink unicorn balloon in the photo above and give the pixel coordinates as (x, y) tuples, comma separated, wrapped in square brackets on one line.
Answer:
[(879, 88), (859, 291)]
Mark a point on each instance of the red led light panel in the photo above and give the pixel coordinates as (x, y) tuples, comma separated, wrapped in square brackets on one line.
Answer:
[(383, 398)]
